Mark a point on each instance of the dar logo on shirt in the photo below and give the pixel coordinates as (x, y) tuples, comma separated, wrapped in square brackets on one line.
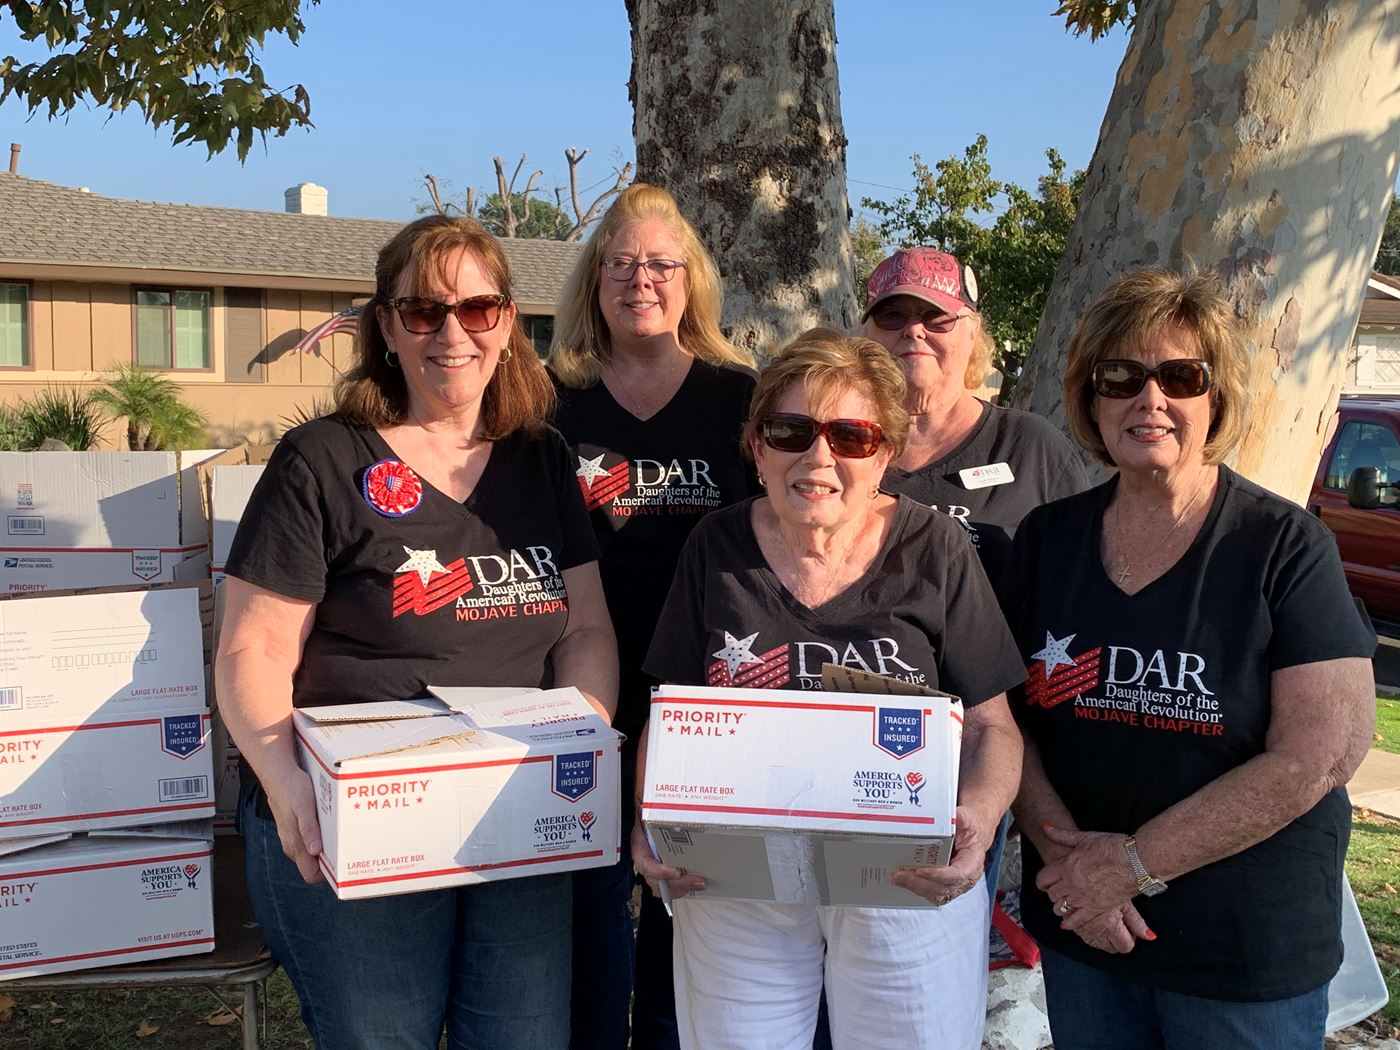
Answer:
[(1054, 676), (600, 484), (738, 665), (425, 585)]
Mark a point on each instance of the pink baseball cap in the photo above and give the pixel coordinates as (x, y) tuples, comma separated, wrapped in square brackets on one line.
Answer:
[(925, 273)]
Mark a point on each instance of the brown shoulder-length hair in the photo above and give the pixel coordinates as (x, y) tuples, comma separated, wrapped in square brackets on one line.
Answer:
[(581, 343), (828, 363), (1125, 320), (418, 260)]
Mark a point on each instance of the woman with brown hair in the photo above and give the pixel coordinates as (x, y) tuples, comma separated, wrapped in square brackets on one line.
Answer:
[(1199, 690), (434, 490)]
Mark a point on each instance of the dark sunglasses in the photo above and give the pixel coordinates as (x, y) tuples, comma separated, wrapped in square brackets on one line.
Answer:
[(848, 438), (480, 313), (893, 319), (1180, 378)]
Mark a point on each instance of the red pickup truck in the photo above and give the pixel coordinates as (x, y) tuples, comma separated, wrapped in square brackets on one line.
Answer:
[(1363, 510)]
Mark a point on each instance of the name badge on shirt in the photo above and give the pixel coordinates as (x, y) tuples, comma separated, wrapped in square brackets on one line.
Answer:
[(985, 477)]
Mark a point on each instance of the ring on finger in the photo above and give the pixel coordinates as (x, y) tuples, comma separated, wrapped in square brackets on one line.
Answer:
[(1063, 907)]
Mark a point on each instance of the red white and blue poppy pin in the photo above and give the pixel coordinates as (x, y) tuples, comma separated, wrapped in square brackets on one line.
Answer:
[(392, 489)]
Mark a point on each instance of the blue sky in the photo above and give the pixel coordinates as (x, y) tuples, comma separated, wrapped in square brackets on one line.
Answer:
[(442, 87)]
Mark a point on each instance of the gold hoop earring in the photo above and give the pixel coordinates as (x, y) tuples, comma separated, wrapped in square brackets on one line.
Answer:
[(761, 483), (505, 354)]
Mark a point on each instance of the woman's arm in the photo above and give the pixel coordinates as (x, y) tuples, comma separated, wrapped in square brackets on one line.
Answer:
[(989, 768), (260, 646), (1321, 719), (585, 656)]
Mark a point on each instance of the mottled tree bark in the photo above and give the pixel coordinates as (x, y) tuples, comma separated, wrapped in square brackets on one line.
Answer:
[(1258, 138), (737, 113)]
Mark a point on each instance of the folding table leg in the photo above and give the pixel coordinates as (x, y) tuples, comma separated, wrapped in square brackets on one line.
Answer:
[(250, 1015)]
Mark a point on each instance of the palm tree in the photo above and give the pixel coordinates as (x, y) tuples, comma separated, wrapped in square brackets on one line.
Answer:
[(156, 417)]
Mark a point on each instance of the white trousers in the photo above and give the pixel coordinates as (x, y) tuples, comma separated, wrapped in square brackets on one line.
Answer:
[(749, 975)]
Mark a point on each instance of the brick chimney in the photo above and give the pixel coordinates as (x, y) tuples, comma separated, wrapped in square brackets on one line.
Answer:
[(306, 199)]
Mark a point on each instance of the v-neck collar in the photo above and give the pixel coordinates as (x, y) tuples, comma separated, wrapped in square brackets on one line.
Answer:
[(382, 449), (690, 376), (1224, 482), (834, 607)]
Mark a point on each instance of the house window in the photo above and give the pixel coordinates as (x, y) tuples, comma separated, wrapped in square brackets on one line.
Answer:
[(14, 326), (540, 329), (172, 328)]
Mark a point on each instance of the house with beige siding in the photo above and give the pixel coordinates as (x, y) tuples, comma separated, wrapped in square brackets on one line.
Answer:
[(215, 298)]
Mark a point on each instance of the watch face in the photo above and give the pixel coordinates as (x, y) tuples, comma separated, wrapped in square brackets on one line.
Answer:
[(1153, 888)]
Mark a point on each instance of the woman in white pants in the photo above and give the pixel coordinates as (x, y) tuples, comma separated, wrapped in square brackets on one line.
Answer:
[(825, 557)]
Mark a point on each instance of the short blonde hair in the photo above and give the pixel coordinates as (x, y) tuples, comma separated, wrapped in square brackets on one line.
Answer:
[(1124, 321), (582, 343), (983, 357), (828, 363), (373, 392)]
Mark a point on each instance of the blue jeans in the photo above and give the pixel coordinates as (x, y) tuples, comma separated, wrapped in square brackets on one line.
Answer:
[(490, 961), (1092, 1010), (991, 867), (603, 949)]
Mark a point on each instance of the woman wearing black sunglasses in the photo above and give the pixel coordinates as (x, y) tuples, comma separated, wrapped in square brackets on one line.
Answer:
[(1199, 691), (425, 534), (825, 566), (652, 397)]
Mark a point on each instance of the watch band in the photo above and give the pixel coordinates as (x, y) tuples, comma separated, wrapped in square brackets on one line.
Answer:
[(1147, 883)]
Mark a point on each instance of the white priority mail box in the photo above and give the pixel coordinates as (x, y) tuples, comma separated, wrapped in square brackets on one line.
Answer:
[(102, 712), (801, 797), (230, 488), (90, 519), (475, 787), (95, 902)]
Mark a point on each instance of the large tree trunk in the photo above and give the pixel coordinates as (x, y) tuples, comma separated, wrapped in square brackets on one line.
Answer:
[(737, 113), (1259, 138)]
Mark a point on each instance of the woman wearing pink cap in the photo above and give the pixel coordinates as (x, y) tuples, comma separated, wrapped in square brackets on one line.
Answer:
[(983, 465)]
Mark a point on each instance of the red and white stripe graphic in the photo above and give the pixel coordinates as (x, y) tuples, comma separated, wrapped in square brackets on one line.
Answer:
[(771, 673), (1066, 681), (607, 488), (411, 594)]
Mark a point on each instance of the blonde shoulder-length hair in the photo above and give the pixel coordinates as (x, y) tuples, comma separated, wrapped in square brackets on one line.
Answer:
[(582, 343)]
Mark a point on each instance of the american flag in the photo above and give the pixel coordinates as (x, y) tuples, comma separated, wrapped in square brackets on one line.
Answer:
[(348, 320), (1066, 682), (770, 673), (411, 594)]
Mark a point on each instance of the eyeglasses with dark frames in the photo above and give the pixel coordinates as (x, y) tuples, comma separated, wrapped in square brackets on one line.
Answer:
[(622, 267), (1178, 378), (848, 438), (893, 319), (477, 313)]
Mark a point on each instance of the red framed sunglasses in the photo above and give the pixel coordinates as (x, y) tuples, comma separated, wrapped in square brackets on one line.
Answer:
[(848, 438)]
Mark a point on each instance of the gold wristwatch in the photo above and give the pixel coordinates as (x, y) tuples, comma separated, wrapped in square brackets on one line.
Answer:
[(1148, 885)]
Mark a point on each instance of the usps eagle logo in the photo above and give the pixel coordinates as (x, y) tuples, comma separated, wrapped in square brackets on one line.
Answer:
[(191, 870), (425, 584), (586, 820), (600, 484), (914, 782), (1054, 676)]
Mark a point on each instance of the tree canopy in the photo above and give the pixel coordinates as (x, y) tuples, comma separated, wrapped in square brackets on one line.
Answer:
[(192, 66)]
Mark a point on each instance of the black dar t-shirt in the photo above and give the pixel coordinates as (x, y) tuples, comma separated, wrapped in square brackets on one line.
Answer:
[(412, 587), (1040, 466), (646, 483), (922, 613), (1138, 701)]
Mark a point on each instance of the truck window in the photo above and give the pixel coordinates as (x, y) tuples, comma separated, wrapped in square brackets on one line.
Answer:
[(1363, 445)]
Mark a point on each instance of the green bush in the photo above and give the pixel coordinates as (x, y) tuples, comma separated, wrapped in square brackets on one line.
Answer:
[(59, 413), (156, 416)]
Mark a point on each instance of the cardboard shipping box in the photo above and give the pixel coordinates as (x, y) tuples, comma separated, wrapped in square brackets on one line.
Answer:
[(92, 519), (103, 721), (802, 797), (229, 489), (475, 787), (84, 902)]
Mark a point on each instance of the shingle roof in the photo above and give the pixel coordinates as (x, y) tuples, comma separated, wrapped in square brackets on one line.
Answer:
[(46, 223)]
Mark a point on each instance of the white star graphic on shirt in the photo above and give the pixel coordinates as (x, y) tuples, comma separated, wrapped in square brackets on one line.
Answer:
[(424, 563), (737, 652), (589, 469), (1055, 653)]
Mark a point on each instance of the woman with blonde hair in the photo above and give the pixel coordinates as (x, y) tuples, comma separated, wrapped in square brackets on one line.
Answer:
[(652, 397)]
